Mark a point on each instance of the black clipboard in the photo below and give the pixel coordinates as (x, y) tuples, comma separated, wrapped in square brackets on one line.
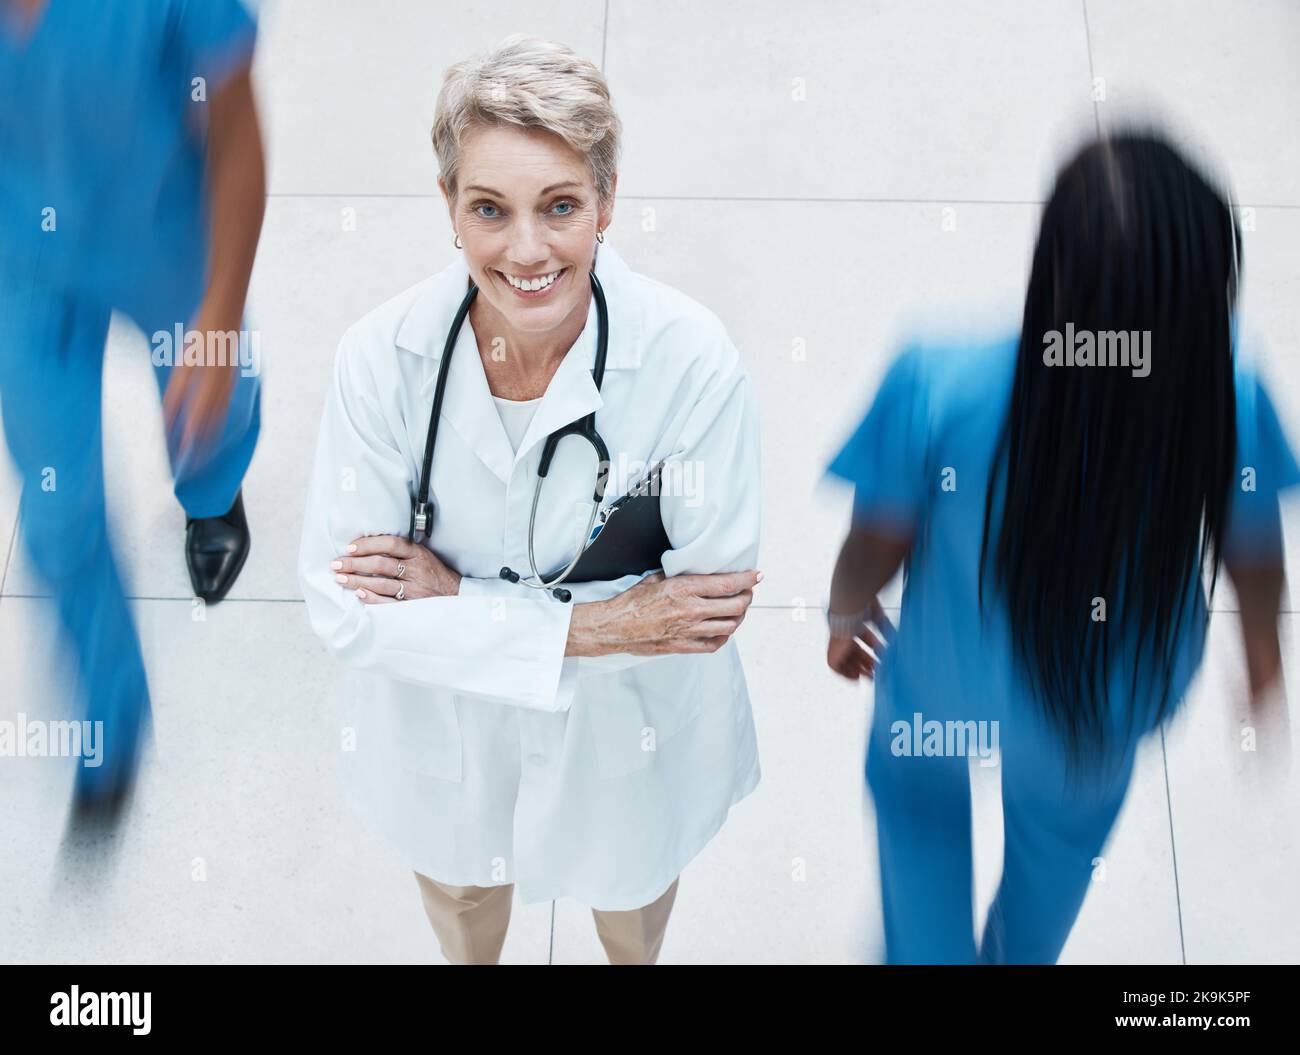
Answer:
[(628, 537)]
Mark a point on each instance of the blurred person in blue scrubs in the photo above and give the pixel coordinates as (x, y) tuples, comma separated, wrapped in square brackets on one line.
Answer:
[(1055, 497), (132, 180)]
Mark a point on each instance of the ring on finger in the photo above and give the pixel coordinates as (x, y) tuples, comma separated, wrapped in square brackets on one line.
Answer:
[(401, 591), (401, 570)]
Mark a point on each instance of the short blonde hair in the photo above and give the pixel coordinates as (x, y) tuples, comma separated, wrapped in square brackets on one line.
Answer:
[(531, 83)]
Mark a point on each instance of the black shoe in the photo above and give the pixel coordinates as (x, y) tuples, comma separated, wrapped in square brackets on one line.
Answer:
[(215, 550), (99, 812)]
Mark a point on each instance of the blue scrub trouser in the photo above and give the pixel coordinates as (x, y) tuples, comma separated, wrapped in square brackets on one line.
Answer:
[(51, 371), (1054, 832)]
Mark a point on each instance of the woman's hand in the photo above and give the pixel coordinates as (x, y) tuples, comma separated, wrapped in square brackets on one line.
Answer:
[(660, 616), (380, 567), (858, 656)]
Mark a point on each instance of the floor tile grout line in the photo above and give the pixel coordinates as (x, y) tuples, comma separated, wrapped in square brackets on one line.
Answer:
[(776, 198), (604, 38), (1092, 73), (752, 198), (9, 555), (1173, 847), (828, 199), (299, 600), (184, 600)]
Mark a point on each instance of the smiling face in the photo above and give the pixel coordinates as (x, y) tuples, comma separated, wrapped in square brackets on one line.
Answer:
[(527, 213)]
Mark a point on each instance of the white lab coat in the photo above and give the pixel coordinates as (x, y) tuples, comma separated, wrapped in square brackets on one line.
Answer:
[(470, 740)]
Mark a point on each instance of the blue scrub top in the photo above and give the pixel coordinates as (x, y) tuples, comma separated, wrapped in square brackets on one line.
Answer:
[(941, 406), (102, 137)]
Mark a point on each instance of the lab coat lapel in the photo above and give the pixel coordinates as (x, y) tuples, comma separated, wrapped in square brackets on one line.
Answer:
[(572, 393), (467, 404), (469, 408)]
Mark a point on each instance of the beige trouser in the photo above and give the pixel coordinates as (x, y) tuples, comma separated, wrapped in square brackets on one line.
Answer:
[(470, 922)]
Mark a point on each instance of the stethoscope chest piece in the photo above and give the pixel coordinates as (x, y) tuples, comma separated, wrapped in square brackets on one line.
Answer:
[(422, 508)]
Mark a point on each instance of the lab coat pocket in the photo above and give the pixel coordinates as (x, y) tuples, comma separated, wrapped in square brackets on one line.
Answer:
[(406, 725), (431, 743), (633, 713)]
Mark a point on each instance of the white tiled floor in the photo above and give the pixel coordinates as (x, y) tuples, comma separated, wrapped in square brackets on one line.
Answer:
[(800, 170)]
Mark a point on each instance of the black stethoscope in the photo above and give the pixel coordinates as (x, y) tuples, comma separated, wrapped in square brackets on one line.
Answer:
[(422, 507)]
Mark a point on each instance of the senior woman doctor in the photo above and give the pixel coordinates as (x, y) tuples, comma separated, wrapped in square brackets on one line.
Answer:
[(503, 737)]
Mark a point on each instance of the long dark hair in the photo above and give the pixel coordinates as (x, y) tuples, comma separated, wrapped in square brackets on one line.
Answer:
[(1117, 484)]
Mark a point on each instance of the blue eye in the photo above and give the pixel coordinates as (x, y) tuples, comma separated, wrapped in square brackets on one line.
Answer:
[(485, 205), (566, 205)]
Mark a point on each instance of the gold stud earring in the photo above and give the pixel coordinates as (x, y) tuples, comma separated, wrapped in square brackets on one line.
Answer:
[(600, 236), (457, 243)]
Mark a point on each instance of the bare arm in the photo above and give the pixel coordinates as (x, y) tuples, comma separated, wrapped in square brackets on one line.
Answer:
[(656, 616), (659, 616), (236, 190), (869, 558), (236, 176), (1259, 592)]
